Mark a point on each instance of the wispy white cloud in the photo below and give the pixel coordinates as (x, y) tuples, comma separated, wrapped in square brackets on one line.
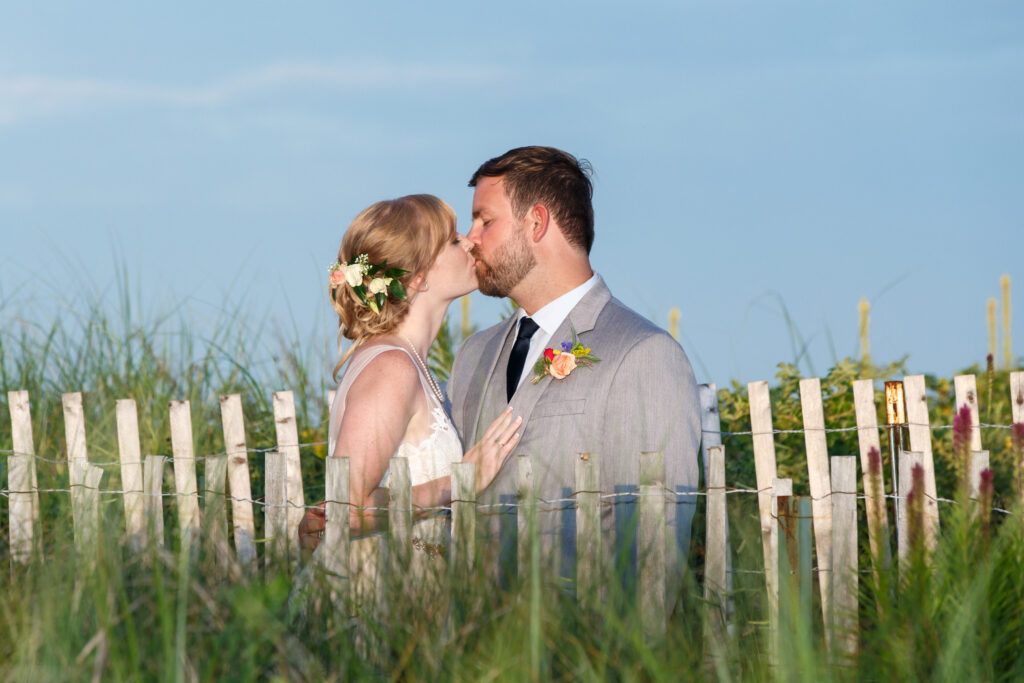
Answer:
[(27, 97)]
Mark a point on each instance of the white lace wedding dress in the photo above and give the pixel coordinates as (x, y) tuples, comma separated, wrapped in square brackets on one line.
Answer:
[(429, 459)]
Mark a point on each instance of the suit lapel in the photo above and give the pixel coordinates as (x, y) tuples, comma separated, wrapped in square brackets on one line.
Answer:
[(488, 391), (581, 319)]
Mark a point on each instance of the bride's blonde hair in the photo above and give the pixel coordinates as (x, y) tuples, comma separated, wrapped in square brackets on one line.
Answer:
[(407, 233)]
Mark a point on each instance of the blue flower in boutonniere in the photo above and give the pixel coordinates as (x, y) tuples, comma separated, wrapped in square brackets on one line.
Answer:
[(559, 363)]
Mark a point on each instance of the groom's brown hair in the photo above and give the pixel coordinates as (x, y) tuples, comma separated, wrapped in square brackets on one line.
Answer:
[(551, 177)]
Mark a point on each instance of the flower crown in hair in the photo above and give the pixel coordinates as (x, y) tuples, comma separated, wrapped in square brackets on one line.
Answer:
[(375, 293)]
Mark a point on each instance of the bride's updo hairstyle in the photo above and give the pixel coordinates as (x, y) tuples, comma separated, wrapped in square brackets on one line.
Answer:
[(407, 233)]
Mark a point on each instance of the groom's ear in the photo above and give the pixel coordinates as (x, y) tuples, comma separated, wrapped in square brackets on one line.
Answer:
[(537, 221)]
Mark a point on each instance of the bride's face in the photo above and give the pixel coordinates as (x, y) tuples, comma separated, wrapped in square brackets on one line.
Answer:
[(453, 273)]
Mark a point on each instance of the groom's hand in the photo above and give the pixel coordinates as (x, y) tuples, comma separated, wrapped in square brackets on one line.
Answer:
[(310, 529)]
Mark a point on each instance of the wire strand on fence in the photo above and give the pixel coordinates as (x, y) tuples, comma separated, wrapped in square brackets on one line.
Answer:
[(313, 444), (563, 502)]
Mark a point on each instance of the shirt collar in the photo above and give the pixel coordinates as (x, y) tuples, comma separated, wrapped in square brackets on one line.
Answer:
[(551, 315)]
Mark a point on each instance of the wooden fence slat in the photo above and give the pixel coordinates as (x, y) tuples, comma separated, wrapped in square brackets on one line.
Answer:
[(920, 432), (1017, 396), (588, 529), (215, 522), (979, 461), (791, 608), (463, 516), (650, 552), (764, 466), (965, 388), (844, 554), (821, 487), (239, 485), (74, 436), (711, 436), (153, 484), (874, 489), (333, 553), (717, 545), (907, 460), (288, 444), (91, 507), (130, 455), (781, 488), (710, 423), (526, 515), (23, 510), (186, 488), (275, 511), (399, 514)]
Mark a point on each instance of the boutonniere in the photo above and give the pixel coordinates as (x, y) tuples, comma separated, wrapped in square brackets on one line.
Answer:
[(559, 363)]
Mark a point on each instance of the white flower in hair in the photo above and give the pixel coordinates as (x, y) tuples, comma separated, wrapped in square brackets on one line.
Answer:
[(354, 274), (379, 285)]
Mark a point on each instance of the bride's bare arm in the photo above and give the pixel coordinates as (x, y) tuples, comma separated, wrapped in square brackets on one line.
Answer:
[(381, 402)]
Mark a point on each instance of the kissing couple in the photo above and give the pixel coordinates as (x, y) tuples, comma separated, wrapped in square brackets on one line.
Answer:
[(573, 371)]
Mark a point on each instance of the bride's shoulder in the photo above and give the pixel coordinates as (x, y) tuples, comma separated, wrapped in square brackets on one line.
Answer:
[(383, 370)]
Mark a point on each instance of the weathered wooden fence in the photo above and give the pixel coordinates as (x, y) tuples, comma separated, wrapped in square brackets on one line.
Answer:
[(786, 523)]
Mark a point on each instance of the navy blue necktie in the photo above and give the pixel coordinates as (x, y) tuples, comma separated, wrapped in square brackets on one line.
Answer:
[(518, 358)]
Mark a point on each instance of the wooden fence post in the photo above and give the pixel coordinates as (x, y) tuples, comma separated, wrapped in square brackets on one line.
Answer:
[(215, 521), (781, 488), (874, 486), (463, 516), (275, 510), (74, 435), (333, 554), (588, 529), (288, 445), (711, 436), (979, 461), (23, 509), (239, 485), (1017, 396), (765, 469), (399, 515), (91, 505), (906, 467), (717, 545), (529, 556), (965, 388), (919, 428), (130, 455), (844, 554), (153, 485), (526, 515), (821, 488), (650, 552), (186, 489)]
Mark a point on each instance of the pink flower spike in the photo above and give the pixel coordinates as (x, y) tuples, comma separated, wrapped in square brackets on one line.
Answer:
[(874, 461), (962, 430)]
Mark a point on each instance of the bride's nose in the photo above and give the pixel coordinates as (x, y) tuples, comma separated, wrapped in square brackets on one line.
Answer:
[(465, 243)]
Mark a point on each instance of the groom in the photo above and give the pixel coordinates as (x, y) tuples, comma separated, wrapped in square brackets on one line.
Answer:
[(533, 228)]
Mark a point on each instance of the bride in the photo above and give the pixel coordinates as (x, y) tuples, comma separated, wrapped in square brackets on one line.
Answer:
[(401, 263)]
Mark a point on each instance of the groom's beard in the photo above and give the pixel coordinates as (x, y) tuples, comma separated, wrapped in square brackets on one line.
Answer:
[(512, 261)]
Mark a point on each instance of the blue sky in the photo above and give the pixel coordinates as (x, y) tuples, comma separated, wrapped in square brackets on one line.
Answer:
[(749, 156)]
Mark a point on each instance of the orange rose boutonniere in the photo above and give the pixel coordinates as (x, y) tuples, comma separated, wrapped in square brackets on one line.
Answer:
[(559, 363)]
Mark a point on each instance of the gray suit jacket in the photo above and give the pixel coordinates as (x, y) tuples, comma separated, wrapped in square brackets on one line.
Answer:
[(641, 396)]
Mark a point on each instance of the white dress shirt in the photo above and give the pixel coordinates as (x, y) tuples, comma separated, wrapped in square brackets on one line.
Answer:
[(548, 320)]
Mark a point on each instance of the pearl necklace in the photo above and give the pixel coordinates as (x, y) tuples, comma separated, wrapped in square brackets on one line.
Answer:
[(430, 377)]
